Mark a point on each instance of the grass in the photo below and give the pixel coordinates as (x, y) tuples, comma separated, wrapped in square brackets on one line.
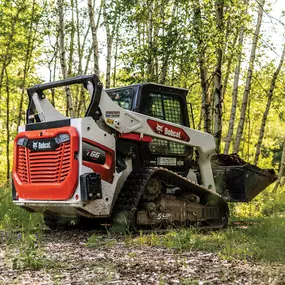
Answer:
[(259, 239), (13, 217), (262, 240), (23, 234)]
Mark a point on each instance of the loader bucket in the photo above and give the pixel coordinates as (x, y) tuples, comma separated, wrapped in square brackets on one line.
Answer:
[(241, 182)]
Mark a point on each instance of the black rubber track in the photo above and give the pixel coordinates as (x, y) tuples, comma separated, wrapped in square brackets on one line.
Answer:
[(135, 185)]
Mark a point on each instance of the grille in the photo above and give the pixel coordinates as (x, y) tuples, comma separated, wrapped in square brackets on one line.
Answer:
[(43, 167), (22, 164), (168, 108), (160, 146)]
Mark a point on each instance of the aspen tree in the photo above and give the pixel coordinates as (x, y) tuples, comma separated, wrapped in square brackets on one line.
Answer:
[(7, 126), (281, 170), (31, 38), (110, 32), (69, 109), (247, 88), (167, 53), (94, 28), (218, 75), (202, 67), (150, 40), (267, 108), (235, 87)]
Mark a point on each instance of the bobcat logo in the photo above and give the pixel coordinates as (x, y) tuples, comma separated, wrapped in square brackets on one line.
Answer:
[(159, 128), (35, 145)]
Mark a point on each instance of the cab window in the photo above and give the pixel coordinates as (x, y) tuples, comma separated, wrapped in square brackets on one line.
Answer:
[(123, 97)]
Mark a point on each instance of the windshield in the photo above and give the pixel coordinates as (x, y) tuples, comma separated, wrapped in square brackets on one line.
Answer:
[(123, 97)]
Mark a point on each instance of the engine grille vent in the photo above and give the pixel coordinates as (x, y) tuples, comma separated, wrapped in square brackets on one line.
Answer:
[(44, 167)]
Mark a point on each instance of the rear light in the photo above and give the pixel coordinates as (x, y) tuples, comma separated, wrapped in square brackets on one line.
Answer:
[(61, 138), (22, 142)]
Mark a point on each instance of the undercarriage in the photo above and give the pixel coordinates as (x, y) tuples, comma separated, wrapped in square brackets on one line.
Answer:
[(158, 198)]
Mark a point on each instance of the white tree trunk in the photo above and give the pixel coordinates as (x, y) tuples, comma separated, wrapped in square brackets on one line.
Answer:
[(63, 58), (249, 78), (32, 35), (71, 44), (231, 53), (150, 40), (110, 32), (202, 67), (166, 54), (218, 76), (281, 170), (235, 89), (94, 28), (268, 104)]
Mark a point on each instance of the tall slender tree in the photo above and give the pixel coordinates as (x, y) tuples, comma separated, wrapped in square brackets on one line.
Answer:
[(69, 109), (94, 28), (7, 126), (201, 47), (6, 56), (111, 23), (236, 85), (71, 41), (150, 40), (169, 44), (31, 38), (267, 108), (281, 170), (218, 74), (247, 88)]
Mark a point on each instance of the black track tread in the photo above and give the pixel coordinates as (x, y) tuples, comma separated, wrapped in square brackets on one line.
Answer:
[(135, 185), (129, 197)]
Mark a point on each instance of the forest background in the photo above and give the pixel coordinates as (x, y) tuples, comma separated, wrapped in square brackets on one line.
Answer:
[(228, 53)]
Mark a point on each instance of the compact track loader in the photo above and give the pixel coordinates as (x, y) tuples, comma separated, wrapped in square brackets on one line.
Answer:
[(133, 161)]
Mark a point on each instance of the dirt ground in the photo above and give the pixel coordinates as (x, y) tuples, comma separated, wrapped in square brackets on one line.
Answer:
[(70, 261)]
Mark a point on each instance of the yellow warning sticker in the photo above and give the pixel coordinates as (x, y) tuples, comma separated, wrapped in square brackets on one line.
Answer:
[(109, 121)]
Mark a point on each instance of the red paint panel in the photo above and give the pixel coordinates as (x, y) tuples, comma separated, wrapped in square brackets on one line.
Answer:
[(168, 130), (136, 137), (107, 169), (46, 175)]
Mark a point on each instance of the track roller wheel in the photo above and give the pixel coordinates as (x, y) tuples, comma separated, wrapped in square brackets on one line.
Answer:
[(153, 189), (222, 221)]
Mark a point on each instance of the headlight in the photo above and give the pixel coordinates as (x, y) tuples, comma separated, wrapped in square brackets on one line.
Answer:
[(62, 138)]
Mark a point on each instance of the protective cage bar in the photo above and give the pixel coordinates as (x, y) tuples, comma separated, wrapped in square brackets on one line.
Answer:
[(83, 79)]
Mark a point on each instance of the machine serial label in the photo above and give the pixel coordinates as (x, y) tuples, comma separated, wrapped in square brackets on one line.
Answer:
[(171, 161), (112, 114), (168, 130)]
